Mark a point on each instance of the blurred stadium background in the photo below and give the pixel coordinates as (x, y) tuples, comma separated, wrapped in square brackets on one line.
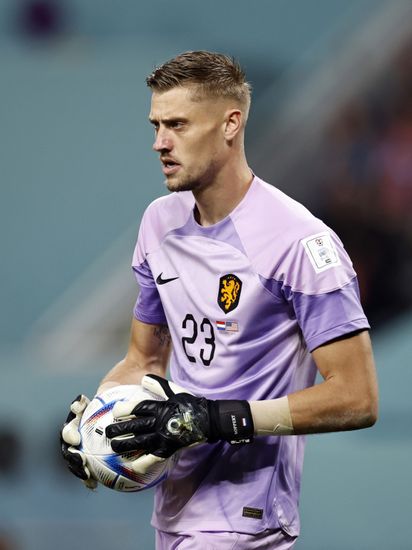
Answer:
[(331, 125)]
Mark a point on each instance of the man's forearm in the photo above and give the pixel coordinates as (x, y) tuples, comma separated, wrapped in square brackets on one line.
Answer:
[(128, 371), (124, 372), (321, 408), (331, 407), (347, 399), (148, 352)]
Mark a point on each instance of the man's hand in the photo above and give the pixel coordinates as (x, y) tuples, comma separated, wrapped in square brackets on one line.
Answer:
[(161, 428), (70, 439)]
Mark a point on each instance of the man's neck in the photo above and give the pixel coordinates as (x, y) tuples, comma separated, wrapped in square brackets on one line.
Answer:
[(219, 199)]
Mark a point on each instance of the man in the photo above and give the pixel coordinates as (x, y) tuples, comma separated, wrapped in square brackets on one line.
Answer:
[(252, 295)]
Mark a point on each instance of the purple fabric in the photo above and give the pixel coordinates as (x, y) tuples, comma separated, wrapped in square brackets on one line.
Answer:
[(327, 316), (148, 307), (222, 231), (323, 317), (222, 540), (285, 307)]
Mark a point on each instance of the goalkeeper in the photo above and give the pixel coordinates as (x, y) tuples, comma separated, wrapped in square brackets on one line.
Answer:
[(246, 296)]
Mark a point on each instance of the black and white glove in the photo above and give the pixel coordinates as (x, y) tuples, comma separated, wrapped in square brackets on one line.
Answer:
[(161, 428), (70, 440)]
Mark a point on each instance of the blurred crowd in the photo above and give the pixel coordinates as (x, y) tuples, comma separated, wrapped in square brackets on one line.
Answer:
[(366, 177)]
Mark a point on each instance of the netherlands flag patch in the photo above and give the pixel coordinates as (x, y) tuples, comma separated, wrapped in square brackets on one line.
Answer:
[(227, 326)]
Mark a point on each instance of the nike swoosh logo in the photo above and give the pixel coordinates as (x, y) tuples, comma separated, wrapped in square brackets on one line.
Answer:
[(161, 281)]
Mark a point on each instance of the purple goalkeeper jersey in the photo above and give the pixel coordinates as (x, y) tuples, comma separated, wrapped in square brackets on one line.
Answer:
[(246, 301)]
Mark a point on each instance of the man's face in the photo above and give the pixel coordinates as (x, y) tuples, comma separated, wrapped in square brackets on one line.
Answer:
[(189, 137)]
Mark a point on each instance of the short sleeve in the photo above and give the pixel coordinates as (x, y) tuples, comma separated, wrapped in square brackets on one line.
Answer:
[(322, 287), (148, 307)]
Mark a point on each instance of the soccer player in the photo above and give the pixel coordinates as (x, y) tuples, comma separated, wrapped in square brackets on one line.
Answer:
[(248, 295)]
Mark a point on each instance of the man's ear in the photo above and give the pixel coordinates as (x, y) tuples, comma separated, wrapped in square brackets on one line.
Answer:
[(233, 123)]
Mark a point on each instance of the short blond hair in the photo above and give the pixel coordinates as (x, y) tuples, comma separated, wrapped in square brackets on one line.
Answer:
[(212, 74)]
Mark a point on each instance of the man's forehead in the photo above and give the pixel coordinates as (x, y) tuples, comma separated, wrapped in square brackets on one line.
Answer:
[(178, 101), (168, 102)]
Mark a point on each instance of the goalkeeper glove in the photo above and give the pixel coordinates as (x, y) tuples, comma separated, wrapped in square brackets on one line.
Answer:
[(70, 440), (161, 428)]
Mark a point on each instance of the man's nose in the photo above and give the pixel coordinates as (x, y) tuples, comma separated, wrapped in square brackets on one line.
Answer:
[(162, 142)]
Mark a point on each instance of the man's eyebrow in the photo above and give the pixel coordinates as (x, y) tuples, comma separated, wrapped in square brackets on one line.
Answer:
[(168, 120)]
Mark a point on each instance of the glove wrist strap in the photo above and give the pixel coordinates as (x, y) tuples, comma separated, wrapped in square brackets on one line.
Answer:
[(230, 420)]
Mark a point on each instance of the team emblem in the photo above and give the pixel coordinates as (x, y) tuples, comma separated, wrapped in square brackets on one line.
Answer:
[(230, 287)]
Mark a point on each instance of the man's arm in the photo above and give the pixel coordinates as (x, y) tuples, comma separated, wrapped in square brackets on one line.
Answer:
[(347, 399), (148, 352)]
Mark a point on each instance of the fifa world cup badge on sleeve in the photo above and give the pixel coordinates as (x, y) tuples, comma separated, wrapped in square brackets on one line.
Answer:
[(321, 251)]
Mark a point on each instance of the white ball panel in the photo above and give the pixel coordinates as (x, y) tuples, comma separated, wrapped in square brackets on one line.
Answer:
[(109, 468)]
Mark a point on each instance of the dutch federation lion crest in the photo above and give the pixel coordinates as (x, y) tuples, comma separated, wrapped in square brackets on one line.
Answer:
[(230, 287)]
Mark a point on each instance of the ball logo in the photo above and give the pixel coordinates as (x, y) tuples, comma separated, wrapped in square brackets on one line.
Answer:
[(230, 287)]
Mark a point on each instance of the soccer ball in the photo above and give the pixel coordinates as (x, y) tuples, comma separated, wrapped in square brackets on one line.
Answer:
[(109, 468)]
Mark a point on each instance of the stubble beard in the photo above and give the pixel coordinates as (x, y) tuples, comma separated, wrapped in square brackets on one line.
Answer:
[(185, 184), (191, 182)]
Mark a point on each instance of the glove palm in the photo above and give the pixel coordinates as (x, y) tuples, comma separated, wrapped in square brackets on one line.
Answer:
[(70, 440)]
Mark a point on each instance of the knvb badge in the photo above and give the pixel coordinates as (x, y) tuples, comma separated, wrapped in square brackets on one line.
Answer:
[(227, 326), (230, 287)]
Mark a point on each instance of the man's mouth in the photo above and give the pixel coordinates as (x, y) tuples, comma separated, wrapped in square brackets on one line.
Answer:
[(169, 166)]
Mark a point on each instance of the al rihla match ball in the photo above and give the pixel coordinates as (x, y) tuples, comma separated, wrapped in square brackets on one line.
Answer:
[(109, 468)]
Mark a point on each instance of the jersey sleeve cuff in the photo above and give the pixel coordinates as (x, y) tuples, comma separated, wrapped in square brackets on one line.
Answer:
[(150, 319), (336, 332)]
